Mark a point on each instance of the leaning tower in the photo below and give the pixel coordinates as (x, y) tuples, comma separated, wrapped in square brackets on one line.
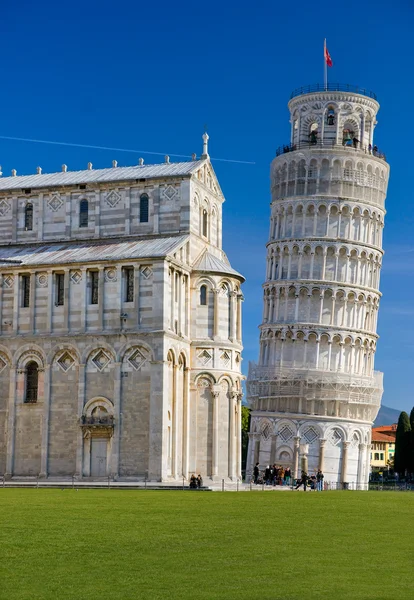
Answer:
[(314, 392)]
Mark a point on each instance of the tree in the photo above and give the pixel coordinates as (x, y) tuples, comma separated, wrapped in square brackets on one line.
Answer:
[(245, 419), (411, 448), (402, 444)]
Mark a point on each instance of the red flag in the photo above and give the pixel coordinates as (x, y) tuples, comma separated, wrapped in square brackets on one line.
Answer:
[(328, 58)]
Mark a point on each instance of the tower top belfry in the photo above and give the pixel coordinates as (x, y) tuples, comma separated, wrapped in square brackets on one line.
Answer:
[(314, 392)]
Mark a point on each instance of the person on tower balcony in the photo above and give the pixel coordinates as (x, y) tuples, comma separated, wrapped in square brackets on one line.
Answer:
[(355, 142)]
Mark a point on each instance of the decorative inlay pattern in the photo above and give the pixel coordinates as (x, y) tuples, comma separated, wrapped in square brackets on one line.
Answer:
[(42, 280), (4, 207), (55, 202), (225, 358), (138, 358), (205, 357), (113, 198), (8, 281), (170, 192), (65, 361), (3, 364), (101, 360), (110, 275), (335, 437), (286, 433), (310, 435), (146, 272), (76, 277)]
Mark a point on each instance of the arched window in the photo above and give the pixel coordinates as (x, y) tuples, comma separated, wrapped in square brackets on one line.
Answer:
[(143, 208), (83, 213), (203, 295), (313, 133), (205, 223), (330, 116), (28, 217), (32, 382)]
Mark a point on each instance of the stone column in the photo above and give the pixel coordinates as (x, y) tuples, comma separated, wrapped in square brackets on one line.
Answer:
[(361, 456), (215, 394), (83, 297), (216, 314), (158, 460), (117, 420), (172, 275), (321, 463), (11, 424), (239, 317), (304, 450), (49, 314), (101, 298), (66, 307), (232, 432), (344, 470), (273, 448), (296, 441), (186, 422), (45, 425), (136, 296), (81, 401), (233, 296), (33, 301), (174, 465), (238, 436)]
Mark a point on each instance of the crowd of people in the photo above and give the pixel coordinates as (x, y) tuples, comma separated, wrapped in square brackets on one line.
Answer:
[(274, 475)]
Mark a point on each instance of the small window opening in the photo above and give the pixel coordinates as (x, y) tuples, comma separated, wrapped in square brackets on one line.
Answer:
[(203, 295), (32, 382), (94, 281), (205, 223), (143, 209), (128, 284), (60, 289), (313, 133), (83, 213), (25, 291), (28, 217)]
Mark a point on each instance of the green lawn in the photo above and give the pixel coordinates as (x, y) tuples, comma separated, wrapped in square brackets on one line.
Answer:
[(158, 544)]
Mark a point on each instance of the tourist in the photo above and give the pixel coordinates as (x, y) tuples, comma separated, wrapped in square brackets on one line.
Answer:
[(256, 472), (303, 481), (319, 481), (193, 482), (287, 476), (267, 475), (199, 481)]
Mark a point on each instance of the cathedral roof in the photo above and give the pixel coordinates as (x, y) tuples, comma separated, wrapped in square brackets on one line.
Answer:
[(83, 252), (209, 263), (62, 178)]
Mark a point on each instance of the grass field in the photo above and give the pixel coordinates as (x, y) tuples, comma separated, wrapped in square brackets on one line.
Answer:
[(157, 544)]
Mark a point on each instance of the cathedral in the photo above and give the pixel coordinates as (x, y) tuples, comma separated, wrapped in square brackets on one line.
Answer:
[(120, 325)]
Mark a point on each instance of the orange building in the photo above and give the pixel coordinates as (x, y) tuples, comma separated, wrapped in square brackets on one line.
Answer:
[(382, 447)]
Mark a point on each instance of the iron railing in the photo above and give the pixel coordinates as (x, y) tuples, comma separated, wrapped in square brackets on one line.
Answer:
[(332, 87), (306, 145)]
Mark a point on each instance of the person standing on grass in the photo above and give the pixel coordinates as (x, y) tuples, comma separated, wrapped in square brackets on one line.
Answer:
[(319, 481), (303, 481), (287, 476), (256, 472)]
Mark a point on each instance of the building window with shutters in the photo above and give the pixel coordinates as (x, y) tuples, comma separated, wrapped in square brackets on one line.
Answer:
[(83, 213), (128, 284), (28, 217), (25, 280), (60, 289), (143, 208), (94, 284), (32, 382)]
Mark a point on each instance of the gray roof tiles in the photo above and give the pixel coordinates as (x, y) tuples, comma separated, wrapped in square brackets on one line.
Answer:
[(207, 262), (87, 252), (52, 180)]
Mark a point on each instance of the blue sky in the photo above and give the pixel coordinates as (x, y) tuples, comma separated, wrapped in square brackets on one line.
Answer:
[(148, 76)]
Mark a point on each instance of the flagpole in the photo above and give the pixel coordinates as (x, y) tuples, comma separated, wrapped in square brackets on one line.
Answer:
[(325, 66)]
